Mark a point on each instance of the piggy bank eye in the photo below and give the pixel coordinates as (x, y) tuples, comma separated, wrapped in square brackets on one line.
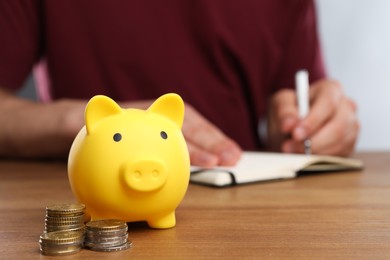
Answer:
[(163, 135), (117, 137)]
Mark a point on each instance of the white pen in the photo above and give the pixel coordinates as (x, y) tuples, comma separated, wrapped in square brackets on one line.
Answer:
[(302, 91)]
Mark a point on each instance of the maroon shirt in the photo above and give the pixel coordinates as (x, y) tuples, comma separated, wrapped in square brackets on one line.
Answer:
[(225, 57)]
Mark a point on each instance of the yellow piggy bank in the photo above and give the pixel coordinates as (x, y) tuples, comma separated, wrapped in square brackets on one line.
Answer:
[(131, 164)]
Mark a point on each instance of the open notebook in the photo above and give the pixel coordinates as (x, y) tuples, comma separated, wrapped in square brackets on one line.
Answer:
[(262, 166)]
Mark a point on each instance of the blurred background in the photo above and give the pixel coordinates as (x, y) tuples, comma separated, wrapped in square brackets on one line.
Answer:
[(355, 38)]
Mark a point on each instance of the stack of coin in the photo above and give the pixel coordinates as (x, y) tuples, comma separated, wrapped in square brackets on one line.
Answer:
[(67, 216), (61, 242), (106, 235)]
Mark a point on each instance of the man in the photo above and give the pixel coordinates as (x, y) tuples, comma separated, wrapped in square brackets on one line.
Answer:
[(232, 62)]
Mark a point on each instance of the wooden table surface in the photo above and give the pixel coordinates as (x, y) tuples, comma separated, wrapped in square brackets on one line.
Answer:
[(327, 216)]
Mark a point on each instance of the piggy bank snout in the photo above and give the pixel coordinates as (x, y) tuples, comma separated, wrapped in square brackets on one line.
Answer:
[(145, 175)]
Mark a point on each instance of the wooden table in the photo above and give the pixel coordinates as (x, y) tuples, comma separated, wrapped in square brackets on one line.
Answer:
[(338, 215)]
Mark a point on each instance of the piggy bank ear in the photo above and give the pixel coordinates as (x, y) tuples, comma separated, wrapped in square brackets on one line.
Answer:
[(98, 108), (171, 106)]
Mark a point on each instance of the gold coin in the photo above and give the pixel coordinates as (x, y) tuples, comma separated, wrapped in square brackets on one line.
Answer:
[(106, 225), (62, 237), (65, 209), (78, 219), (60, 250), (63, 223)]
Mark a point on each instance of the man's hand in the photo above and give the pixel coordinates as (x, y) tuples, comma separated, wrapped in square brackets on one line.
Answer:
[(331, 124), (207, 145)]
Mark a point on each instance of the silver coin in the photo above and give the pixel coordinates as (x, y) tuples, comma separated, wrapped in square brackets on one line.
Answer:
[(98, 239), (50, 229), (125, 246), (93, 235), (117, 242), (63, 227)]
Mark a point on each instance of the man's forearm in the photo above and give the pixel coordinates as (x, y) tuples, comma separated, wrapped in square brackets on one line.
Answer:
[(35, 130)]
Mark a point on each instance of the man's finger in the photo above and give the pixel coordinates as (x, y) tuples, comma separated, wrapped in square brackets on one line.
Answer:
[(284, 110), (339, 135), (325, 97), (205, 139), (200, 157)]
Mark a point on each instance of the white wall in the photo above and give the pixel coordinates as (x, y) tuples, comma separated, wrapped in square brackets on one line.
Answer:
[(356, 41)]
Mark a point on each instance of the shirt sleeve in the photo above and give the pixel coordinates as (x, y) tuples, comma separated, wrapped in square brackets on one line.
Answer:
[(20, 35), (302, 48)]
